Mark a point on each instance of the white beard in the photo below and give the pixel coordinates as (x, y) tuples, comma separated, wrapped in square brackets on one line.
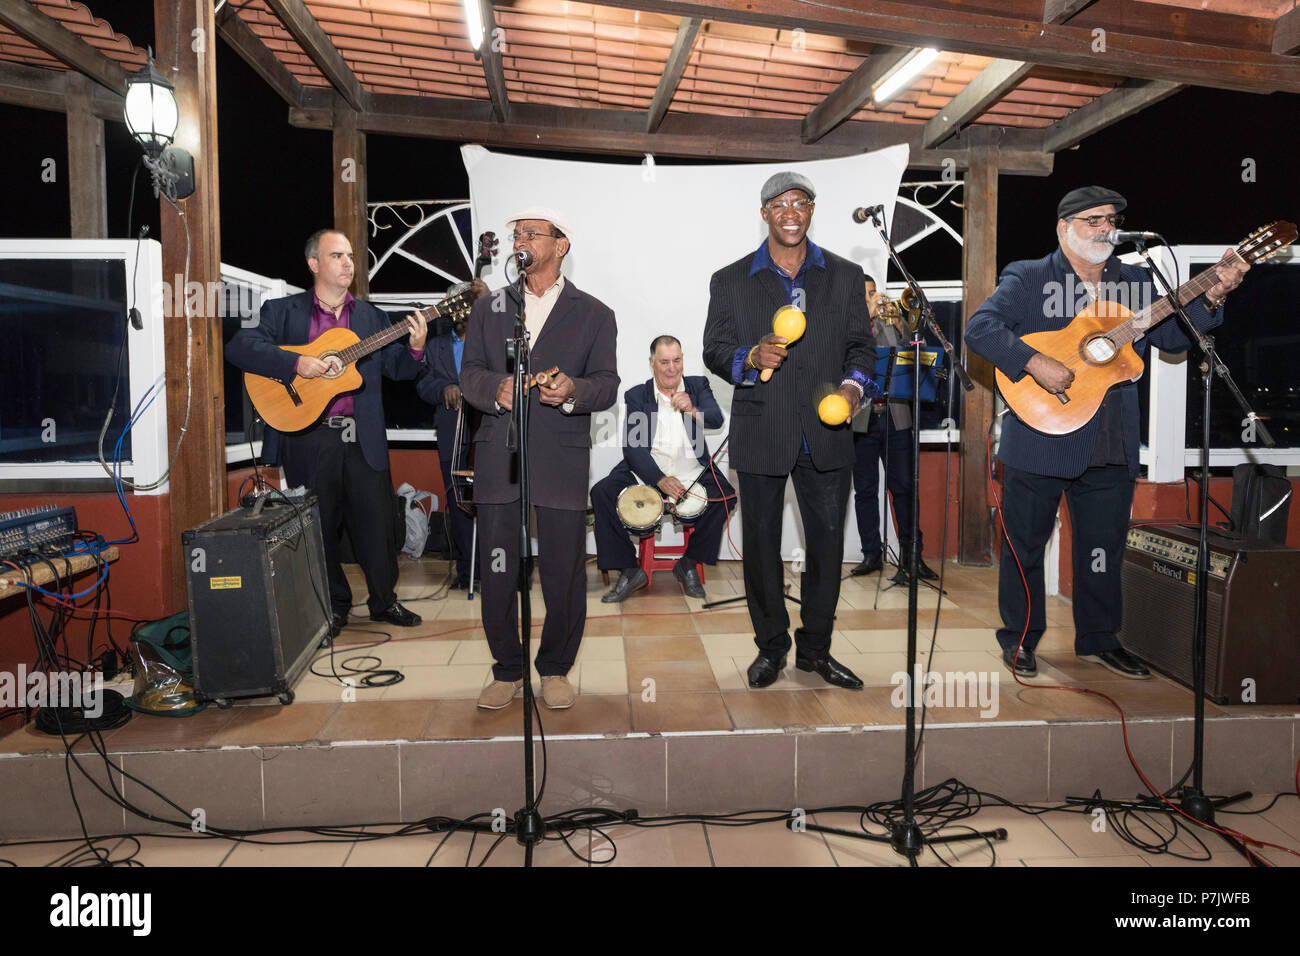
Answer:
[(1089, 250)]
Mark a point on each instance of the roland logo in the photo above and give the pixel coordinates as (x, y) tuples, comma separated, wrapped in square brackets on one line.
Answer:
[(1167, 571)]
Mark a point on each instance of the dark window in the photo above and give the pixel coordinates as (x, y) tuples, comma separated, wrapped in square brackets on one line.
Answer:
[(63, 323)]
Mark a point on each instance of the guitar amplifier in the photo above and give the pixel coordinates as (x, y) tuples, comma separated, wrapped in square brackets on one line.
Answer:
[(1253, 605), (259, 598)]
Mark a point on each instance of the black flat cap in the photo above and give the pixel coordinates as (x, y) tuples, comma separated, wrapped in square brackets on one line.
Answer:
[(783, 181), (1085, 197)]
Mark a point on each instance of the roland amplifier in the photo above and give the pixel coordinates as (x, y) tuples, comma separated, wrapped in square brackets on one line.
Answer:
[(1252, 619), (259, 598)]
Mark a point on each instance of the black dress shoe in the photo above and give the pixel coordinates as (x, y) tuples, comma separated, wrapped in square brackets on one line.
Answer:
[(923, 573), (629, 580), (686, 572), (461, 583), (396, 614), (1121, 662), (1026, 665), (764, 671), (868, 566), (338, 621), (831, 671)]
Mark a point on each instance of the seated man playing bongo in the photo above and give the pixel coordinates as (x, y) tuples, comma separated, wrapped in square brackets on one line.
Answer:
[(663, 447)]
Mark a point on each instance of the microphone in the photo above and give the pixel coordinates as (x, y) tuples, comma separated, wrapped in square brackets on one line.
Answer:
[(1116, 236), (863, 213), (523, 258)]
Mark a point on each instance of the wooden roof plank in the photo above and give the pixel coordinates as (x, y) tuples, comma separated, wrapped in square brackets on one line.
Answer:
[(1061, 11), (1104, 111), (1286, 33), (992, 83), (1201, 61), (64, 45), (493, 68), (254, 52), (297, 19), (855, 90), (678, 57)]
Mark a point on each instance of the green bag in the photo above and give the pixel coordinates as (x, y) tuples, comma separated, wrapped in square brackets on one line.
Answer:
[(164, 668)]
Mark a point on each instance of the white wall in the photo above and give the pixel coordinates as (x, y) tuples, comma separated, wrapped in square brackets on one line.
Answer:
[(647, 238)]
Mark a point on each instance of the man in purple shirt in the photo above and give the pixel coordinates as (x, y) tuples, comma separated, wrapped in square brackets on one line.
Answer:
[(343, 458)]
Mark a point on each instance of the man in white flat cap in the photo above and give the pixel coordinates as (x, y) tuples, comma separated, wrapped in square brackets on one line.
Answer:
[(574, 332)]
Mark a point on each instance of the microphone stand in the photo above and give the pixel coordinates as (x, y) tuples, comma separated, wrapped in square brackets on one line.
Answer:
[(1193, 800), (527, 825), (905, 836)]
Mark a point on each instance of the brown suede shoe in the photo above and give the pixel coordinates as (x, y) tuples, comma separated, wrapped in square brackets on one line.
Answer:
[(499, 694), (557, 693)]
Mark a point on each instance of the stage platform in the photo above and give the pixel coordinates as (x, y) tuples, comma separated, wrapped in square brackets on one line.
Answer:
[(664, 722)]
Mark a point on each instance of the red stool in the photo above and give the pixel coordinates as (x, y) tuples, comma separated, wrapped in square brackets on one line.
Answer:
[(662, 558)]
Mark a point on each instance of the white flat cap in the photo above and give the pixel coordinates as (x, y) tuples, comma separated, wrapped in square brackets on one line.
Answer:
[(556, 218)]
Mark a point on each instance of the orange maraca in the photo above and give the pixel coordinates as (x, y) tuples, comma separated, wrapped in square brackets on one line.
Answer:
[(833, 409), (789, 323)]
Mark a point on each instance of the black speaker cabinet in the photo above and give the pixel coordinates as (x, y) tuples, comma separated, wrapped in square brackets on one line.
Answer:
[(1253, 609), (259, 599)]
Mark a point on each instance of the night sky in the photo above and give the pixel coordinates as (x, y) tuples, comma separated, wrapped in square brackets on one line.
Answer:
[(1179, 163)]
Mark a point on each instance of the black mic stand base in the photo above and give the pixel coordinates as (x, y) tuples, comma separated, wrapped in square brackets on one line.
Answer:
[(905, 839)]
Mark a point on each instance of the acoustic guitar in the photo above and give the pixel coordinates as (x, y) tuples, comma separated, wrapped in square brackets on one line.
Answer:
[(1097, 345)]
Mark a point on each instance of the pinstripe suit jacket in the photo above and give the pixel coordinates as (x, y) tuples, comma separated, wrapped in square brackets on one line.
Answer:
[(770, 420), (1035, 296)]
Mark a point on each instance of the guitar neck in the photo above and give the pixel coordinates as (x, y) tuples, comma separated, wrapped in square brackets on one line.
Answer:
[(377, 341), (1157, 312)]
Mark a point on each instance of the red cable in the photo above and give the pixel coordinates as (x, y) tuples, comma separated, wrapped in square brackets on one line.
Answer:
[(1246, 841)]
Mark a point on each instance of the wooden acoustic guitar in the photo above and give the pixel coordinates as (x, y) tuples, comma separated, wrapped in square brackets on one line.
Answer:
[(1097, 345)]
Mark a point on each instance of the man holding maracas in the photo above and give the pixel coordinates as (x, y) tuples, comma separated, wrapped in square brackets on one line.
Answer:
[(776, 433)]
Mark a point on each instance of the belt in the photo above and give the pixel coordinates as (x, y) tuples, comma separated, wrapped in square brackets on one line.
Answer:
[(338, 421)]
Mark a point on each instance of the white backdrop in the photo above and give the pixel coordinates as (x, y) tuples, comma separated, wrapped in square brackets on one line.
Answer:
[(645, 241)]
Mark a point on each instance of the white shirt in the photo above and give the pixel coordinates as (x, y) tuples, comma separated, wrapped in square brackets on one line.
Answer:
[(537, 308), (671, 447)]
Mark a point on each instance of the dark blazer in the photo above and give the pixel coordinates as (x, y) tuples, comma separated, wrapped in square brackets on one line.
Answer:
[(639, 429), (1035, 295), (440, 373), (770, 420), (287, 321), (580, 337)]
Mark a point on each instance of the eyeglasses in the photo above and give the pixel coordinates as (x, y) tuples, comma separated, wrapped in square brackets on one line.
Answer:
[(798, 205), (1114, 219), (530, 235)]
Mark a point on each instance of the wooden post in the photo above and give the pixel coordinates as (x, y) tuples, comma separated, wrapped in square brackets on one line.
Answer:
[(87, 193), (187, 43), (350, 215), (979, 277)]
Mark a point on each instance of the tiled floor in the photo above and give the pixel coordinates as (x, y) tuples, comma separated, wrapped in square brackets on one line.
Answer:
[(1055, 838), (659, 662)]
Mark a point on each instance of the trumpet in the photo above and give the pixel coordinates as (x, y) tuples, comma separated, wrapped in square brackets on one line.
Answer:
[(904, 310)]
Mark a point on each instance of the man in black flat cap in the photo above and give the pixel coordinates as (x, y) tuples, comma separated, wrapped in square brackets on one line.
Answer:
[(1095, 466), (776, 434)]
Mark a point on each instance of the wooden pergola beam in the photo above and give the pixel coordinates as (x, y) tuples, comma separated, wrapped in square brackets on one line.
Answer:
[(989, 85), (87, 189), (1120, 103), (567, 129), (255, 53), (678, 57), (297, 19), (41, 89), (1246, 66), (1286, 33), (62, 44), (1063, 11), (847, 98), (494, 71)]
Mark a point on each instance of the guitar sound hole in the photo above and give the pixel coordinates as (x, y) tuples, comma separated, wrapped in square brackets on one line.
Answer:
[(1099, 350), (335, 365)]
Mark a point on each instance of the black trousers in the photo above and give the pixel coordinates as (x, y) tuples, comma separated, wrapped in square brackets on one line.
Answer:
[(822, 497), (562, 547), (462, 525), (868, 448), (351, 495), (1100, 501), (614, 549)]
